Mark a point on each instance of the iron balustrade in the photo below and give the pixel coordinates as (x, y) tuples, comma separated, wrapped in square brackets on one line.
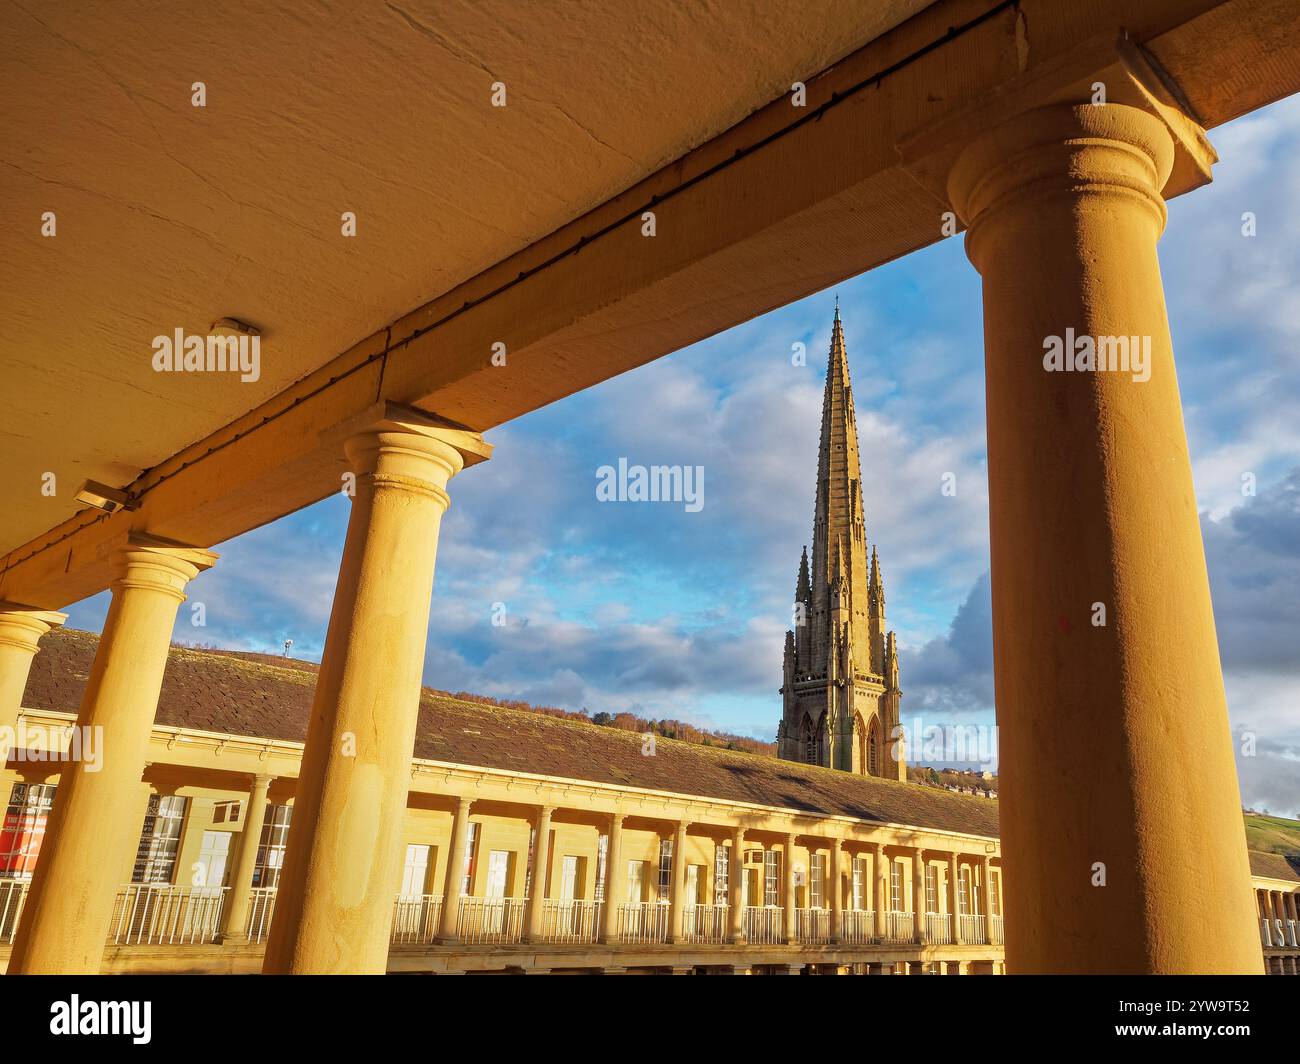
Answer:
[(164, 914), (569, 920), (764, 925), (997, 936), (972, 929), (899, 927), (706, 924), (813, 926), (857, 927), (490, 920), (643, 923), (261, 905), (416, 918), (13, 892), (938, 929)]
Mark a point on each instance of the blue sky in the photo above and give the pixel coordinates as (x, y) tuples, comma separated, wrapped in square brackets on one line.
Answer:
[(649, 608)]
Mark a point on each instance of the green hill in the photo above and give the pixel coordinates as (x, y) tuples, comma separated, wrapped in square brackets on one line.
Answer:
[(1272, 834)]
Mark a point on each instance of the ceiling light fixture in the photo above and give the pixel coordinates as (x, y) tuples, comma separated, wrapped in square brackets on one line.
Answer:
[(102, 497)]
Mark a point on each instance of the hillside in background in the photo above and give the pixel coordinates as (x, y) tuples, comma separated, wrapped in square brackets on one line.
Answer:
[(1272, 834)]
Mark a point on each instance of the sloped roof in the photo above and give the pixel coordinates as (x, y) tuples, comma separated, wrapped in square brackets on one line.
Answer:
[(267, 697), (1275, 865)]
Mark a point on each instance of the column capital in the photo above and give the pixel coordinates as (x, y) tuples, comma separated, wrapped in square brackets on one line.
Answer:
[(22, 626), (261, 782), (405, 447), (157, 564), (1068, 150)]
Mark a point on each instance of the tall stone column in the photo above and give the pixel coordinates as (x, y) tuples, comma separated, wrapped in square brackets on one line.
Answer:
[(954, 895), (986, 896), (837, 891), (95, 820), (449, 918), (21, 628), (343, 860), (736, 887), (677, 903), (790, 897), (234, 915), (918, 892), (881, 869), (541, 863), (614, 883), (1102, 720)]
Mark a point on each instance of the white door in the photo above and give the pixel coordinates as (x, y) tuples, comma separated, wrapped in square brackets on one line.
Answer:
[(495, 890), (568, 878), (635, 893), (213, 854), (415, 872), (691, 897)]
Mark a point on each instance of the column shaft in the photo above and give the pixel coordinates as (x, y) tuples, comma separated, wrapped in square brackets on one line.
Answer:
[(613, 880), (881, 870), (677, 903), (737, 887), (790, 898), (954, 896), (234, 914), (447, 931), (343, 860), (21, 628), (918, 893), (837, 891), (1102, 719), (541, 864), (95, 820)]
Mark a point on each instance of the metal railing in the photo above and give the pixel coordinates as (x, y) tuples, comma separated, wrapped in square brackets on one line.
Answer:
[(899, 927), (706, 923), (570, 920), (643, 922), (13, 892), (938, 929), (857, 927), (416, 918), (164, 914), (813, 926), (997, 936), (490, 920), (972, 928), (261, 905), (764, 925)]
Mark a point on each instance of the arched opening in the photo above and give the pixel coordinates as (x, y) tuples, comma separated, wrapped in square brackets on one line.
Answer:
[(873, 748), (806, 743)]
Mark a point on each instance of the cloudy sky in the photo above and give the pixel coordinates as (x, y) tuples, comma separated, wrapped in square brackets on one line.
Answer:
[(668, 613)]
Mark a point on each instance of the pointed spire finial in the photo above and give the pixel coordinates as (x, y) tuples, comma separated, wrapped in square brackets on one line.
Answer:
[(837, 306)]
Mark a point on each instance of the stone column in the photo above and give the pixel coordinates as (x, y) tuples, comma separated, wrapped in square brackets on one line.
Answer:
[(1092, 505), (449, 919), (21, 628), (882, 888), (918, 892), (954, 894), (95, 821), (837, 892), (343, 861), (735, 886), (613, 881), (541, 864), (790, 898), (986, 899), (234, 915), (677, 903)]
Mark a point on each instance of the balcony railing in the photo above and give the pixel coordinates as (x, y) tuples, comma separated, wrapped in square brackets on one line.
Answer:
[(13, 892), (899, 927), (972, 928), (997, 936), (261, 904), (490, 920), (813, 926), (706, 924), (643, 922), (857, 927), (569, 921), (938, 929), (764, 925), (163, 914), (416, 918)]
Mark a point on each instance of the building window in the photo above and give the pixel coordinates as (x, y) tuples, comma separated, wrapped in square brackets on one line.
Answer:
[(24, 828), (467, 861), (270, 848), (817, 881), (665, 870), (225, 812), (772, 877), (896, 887), (995, 890), (155, 860), (873, 751), (859, 883), (721, 877), (963, 890), (602, 863), (931, 889)]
